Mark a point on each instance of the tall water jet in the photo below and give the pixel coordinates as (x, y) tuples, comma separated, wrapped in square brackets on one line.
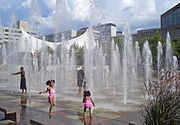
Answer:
[(60, 7), (137, 61), (168, 58), (159, 57), (175, 62), (88, 62), (147, 62), (43, 62), (127, 61), (4, 61), (64, 57), (35, 17), (12, 55), (72, 69), (114, 65), (4, 55)]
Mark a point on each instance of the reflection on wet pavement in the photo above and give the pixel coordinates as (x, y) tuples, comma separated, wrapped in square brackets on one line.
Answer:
[(66, 112)]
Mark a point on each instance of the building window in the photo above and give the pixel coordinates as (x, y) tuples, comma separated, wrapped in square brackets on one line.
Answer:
[(17, 35), (17, 31), (167, 20), (6, 30), (177, 16)]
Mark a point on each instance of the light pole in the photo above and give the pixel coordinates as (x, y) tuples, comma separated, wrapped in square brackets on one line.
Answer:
[(36, 60), (37, 23)]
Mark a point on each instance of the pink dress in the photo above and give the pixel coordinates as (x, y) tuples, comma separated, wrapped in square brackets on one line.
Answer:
[(88, 103), (51, 93)]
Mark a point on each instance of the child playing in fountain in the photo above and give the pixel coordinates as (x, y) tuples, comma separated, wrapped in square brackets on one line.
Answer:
[(51, 91), (88, 102), (23, 80)]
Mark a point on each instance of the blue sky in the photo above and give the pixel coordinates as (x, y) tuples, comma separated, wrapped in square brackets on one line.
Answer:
[(60, 15)]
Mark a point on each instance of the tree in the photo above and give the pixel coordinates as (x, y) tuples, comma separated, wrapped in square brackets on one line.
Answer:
[(79, 54), (153, 43), (176, 48)]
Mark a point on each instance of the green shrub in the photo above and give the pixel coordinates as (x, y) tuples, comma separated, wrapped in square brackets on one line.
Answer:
[(163, 100)]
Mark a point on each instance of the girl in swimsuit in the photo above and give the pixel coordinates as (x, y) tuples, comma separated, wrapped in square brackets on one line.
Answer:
[(51, 91), (88, 103)]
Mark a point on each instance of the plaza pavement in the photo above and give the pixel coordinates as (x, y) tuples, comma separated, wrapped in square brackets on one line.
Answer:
[(66, 112)]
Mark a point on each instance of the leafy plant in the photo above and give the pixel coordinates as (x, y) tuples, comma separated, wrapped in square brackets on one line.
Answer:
[(79, 54), (153, 43), (176, 48), (163, 100)]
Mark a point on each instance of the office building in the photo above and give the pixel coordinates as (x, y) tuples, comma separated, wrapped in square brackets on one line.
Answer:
[(67, 35), (13, 34)]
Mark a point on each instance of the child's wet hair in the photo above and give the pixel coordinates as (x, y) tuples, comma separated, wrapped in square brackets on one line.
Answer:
[(48, 82), (53, 81), (85, 93), (88, 93), (21, 68)]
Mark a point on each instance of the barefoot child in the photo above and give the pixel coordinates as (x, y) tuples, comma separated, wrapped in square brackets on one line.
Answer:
[(23, 80), (87, 100), (51, 91)]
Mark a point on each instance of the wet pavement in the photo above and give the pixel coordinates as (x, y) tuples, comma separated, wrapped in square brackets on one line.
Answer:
[(66, 112)]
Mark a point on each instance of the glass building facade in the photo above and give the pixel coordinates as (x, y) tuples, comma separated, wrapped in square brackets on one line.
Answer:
[(177, 16), (171, 17), (167, 20)]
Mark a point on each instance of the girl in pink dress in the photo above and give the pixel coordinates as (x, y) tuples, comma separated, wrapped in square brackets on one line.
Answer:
[(88, 102), (51, 91)]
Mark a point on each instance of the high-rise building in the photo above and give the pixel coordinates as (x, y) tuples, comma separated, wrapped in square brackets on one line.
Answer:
[(13, 34), (107, 31)]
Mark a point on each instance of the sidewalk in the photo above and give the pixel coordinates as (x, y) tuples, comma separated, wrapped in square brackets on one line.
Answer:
[(66, 112)]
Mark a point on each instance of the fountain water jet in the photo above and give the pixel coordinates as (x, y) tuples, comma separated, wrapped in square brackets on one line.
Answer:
[(159, 57), (127, 61), (168, 58), (147, 62)]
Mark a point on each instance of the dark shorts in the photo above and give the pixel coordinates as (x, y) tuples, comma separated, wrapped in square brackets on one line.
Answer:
[(79, 83), (85, 109)]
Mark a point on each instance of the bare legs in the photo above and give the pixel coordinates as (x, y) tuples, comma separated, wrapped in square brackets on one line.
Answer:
[(80, 93), (52, 103), (90, 112), (23, 91)]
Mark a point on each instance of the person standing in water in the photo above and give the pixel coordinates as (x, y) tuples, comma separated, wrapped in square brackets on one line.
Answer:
[(23, 80), (80, 78)]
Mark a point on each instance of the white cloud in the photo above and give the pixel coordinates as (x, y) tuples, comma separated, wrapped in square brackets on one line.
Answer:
[(65, 14), (5, 7), (50, 3), (27, 3), (139, 13), (164, 5), (81, 9), (6, 4)]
